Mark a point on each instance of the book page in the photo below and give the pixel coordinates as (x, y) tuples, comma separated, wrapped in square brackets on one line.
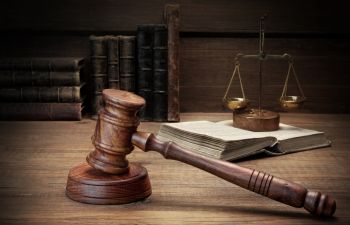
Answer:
[(222, 140), (216, 130), (285, 132)]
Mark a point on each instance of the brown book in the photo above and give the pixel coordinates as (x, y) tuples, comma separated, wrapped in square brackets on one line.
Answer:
[(144, 38), (172, 17), (113, 65), (160, 73), (40, 94), (20, 78), (46, 64), (40, 111), (98, 52), (113, 62), (127, 63)]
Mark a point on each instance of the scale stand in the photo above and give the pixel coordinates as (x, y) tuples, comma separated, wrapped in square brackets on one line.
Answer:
[(260, 119)]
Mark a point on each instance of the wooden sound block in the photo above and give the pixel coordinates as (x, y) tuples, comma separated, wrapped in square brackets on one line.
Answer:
[(88, 185), (254, 121)]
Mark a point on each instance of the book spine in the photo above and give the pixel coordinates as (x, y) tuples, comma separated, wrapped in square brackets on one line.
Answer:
[(145, 69), (45, 64), (113, 62), (9, 78), (127, 63), (40, 94), (40, 111), (98, 48), (160, 73), (146, 112), (172, 17)]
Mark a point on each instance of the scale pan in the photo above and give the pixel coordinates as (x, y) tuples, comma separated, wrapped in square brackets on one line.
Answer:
[(292, 102), (236, 103)]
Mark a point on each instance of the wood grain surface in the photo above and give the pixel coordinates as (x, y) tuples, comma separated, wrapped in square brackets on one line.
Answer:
[(88, 185), (35, 158)]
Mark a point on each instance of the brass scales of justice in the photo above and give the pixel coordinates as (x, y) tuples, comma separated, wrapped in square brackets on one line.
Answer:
[(258, 119)]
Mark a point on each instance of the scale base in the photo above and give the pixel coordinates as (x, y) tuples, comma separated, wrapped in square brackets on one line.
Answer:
[(254, 120), (88, 185)]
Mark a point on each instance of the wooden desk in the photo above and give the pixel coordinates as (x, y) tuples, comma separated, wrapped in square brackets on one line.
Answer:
[(35, 158)]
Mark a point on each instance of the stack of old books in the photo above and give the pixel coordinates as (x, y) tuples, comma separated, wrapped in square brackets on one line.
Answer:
[(112, 66), (40, 88), (146, 64), (152, 70), (135, 64)]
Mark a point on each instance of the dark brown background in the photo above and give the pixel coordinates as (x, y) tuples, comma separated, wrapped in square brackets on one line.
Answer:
[(315, 32)]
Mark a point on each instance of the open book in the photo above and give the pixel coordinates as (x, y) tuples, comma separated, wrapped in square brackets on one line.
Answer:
[(223, 141)]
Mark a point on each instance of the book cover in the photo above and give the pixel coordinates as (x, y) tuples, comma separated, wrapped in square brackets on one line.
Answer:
[(40, 111), (46, 64), (98, 52), (18, 78), (145, 69), (160, 73), (40, 94), (113, 62), (127, 63)]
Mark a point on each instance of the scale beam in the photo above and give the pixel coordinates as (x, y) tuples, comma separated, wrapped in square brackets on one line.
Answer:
[(264, 57)]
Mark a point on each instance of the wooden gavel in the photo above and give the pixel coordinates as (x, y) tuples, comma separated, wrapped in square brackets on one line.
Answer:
[(115, 180)]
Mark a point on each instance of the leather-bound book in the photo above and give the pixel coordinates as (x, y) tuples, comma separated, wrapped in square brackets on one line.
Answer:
[(127, 63), (42, 64), (172, 18), (20, 78), (40, 94), (145, 69), (98, 51), (146, 114), (40, 111), (113, 62), (160, 73)]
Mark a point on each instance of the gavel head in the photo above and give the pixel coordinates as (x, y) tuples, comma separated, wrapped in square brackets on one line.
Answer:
[(115, 125)]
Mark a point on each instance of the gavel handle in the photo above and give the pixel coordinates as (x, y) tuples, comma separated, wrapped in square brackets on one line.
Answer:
[(259, 182)]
